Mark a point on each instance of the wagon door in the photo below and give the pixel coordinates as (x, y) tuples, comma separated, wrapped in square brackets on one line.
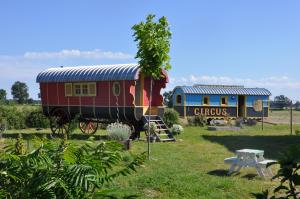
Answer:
[(241, 106), (139, 92)]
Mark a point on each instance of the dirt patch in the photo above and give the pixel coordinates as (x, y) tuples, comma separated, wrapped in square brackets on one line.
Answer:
[(283, 117)]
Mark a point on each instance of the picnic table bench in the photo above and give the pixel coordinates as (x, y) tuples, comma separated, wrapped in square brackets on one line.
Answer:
[(250, 158)]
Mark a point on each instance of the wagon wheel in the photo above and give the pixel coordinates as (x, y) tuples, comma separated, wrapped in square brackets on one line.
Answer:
[(59, 122), (88, 127)]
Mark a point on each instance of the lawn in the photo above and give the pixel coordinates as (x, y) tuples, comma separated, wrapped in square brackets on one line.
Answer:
[(193, 166)]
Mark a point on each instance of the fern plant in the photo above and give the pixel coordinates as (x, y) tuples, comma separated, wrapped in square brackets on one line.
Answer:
[(58, 169)]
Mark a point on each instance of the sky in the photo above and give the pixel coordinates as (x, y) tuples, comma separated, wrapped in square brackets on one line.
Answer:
[(252, 43)]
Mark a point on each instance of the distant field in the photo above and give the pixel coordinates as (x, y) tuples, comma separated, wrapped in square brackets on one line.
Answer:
[(283, 117)]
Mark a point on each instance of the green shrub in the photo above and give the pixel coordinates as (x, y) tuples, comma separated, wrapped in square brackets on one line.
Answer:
[(20, 117), (177, 129), (118, 131), (287, 176), (58, 169), (153, 127), (37, 120), (199, 120), (171, 117)]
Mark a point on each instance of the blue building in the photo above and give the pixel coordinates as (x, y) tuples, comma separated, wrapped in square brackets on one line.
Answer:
[(218, 101)]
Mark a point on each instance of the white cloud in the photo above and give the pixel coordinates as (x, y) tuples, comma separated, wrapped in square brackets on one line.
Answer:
[(73, 53), (277, 85), (26, 67)]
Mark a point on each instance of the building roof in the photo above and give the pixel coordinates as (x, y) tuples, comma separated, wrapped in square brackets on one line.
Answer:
[(90, 73), (223, 90)]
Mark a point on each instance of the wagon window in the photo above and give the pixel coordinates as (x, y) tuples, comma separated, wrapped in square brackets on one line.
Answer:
[(224, 100), (178, 99), (116, 88), (206, 100), (68, 89), (85, 90), (92, 89), (77, 89)]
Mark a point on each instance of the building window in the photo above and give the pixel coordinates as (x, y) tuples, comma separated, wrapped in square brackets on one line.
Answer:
[(81, 89), (116, 88), (178, 99), (206, 100), (224, 101)]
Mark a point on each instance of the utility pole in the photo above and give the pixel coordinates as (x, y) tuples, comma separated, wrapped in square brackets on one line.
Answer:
[(291, 117), (262, 117)]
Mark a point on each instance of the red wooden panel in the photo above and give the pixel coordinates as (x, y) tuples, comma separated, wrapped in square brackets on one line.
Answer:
[(157, 99), (74, 101), (87, 101), (52, 94), (102, 98), (146, 91), (61, 94), (43, 91), (130, 93)]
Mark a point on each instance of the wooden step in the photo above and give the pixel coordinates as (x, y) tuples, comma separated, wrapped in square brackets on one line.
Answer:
[(162, 134), (168, 140)]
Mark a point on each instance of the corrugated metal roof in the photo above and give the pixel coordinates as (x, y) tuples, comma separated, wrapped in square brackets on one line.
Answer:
[(90, 73), (223, 90)]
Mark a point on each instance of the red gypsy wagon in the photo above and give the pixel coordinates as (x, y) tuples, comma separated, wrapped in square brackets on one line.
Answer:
[(104, 93)]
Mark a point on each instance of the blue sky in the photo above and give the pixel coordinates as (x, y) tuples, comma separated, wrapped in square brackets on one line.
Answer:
[(254, 43)]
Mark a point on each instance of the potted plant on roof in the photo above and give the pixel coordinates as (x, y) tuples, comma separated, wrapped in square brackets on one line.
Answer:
[(120, 133)]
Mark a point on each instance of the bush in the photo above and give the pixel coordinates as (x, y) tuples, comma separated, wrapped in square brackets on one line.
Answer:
[(287, 176), (199, 120), (118, 131), (58, 169), (251, 122), (239, 122), (177, 129), (37, 120), (153, 127), (20, 117), (171, 117)]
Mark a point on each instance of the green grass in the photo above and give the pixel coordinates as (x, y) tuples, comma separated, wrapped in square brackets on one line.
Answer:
[(193, 166)]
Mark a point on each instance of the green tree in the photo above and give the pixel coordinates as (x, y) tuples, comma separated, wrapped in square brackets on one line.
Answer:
[(153, 42), (2, 95), (19, 91), (168, 101), (282, 101)]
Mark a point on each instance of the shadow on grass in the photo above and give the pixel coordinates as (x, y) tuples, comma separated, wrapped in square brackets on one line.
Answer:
[(218, 172), (250, 176), (47, 135), (272, 145)]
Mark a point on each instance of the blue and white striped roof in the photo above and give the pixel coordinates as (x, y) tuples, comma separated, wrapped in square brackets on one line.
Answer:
[(223, 90), (90, 73)]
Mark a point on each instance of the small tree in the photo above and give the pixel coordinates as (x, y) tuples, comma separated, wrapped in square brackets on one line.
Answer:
[(153, 42), (19, 91), (168, 99), (2, 95)]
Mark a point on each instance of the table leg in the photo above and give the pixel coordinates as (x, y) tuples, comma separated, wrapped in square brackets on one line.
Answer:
[(231, 170), (260, 172)]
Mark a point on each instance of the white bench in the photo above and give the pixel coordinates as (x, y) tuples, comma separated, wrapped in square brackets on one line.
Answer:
[(250, 158)]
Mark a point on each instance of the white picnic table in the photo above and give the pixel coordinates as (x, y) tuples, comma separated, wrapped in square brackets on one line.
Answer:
[(250, 158)]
